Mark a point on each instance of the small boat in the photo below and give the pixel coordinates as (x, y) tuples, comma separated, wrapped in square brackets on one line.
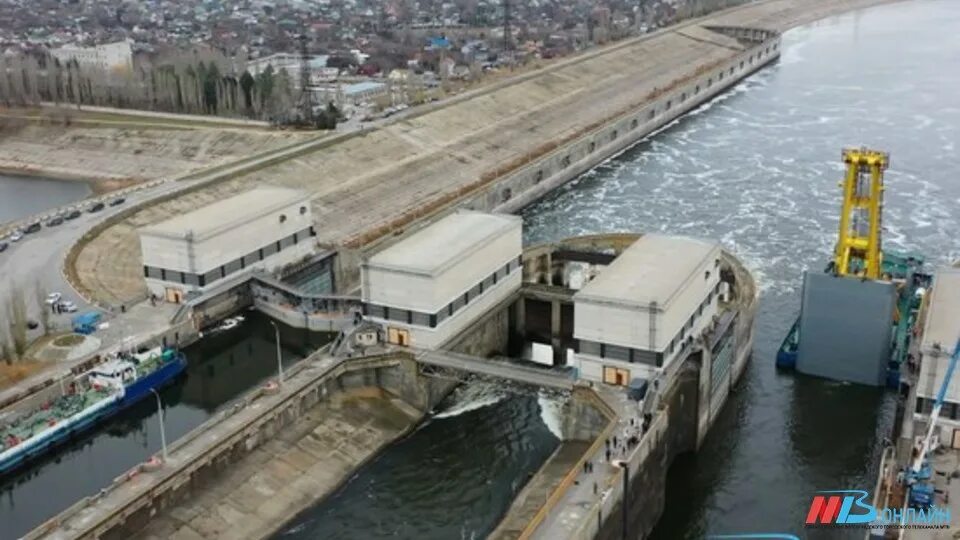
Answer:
[(89, 399)]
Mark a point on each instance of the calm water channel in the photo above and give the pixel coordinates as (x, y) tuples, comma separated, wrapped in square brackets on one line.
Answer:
[(24, 196), (222, 366)]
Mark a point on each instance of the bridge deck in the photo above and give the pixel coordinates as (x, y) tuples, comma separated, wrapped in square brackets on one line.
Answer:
[(503, 369)]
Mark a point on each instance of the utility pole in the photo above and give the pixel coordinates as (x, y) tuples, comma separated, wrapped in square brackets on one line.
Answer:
[(279, 356), (506, 25), (306, 96), (163, 434)]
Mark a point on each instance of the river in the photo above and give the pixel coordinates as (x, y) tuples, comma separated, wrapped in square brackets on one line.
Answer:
[(23, 196), (221, 368), (758, 170)]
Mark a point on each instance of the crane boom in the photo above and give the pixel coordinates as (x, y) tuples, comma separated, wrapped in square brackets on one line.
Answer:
[(938, 404)]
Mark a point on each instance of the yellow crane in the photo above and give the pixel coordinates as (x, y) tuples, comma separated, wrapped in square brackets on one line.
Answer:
[(858, 249)]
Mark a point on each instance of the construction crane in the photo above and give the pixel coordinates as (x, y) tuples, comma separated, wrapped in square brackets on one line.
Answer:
[(858, 251), (921, 489)]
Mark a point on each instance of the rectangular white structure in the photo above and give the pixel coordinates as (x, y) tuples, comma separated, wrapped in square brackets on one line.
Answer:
[(645, 308), (428, 287), (264, 229), (941, 330)]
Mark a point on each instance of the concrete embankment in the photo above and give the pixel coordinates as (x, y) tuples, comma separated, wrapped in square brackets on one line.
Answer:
[(265, 429), (300, 465)]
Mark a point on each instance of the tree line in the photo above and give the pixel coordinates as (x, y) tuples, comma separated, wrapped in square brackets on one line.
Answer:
[(187, 87)]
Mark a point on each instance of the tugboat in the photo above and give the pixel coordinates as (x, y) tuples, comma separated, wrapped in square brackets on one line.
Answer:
[(90, 398)]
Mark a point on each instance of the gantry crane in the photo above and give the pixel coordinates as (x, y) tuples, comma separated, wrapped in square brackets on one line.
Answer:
[(858, 249)]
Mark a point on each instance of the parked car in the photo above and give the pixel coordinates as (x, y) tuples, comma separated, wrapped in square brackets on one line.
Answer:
[(33, 227), (118, 201), (67, 307), (53, 298), (74, 214), (95, 207), (16, 236), (3, 246), (54, 221)]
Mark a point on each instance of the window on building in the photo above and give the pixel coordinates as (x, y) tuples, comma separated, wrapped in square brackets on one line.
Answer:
[(539, 176), (565, 162), (422, 319), (697, 89), (651, 114), (590, 347), (683, 97), (633, 124), (303, 210), (592, 146), (668, 105), (614, 134), (616, 352), (506, 194), (283, 218)]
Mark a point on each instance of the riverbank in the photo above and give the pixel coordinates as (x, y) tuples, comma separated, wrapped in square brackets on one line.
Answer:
[(98, 185)]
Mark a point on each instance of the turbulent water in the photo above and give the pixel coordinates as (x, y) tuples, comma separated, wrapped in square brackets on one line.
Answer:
[(221, 367), (24, 196), (451, 478), (758, 170)]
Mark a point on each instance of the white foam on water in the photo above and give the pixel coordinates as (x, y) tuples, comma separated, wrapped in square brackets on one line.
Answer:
[(550, 413), (472, 397)]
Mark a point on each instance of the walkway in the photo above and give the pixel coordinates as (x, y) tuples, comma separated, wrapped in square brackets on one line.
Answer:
[(501, 369)]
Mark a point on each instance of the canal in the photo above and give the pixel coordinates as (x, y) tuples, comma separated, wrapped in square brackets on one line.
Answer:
[(758, 170), (221, 368), (23, 196)]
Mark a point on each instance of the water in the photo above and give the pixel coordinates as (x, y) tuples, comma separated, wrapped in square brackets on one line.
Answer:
[(221, 368), (24, 196), (758, 170), (454, 477)]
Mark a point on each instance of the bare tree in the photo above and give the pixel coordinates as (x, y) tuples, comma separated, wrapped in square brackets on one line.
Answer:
[(42, 304), (17, 310)]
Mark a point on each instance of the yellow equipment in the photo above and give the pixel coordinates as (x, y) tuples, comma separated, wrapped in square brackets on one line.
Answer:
[(858, 244)]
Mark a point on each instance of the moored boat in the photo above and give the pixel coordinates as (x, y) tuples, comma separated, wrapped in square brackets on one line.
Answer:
[(90, 398)]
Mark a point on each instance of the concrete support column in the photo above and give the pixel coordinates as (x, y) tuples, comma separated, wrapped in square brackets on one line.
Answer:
[(555, 330), (520, 318)]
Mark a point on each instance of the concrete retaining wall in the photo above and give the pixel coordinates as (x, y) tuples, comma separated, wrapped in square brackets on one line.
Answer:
[(532, 181), (395, 374)]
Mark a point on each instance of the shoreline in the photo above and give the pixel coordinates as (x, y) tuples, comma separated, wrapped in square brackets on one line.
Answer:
[(99, 185)]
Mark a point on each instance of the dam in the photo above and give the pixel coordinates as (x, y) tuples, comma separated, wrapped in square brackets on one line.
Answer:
[(577, 228)]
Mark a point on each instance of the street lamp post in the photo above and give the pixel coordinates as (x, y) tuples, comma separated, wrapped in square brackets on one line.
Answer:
[(626, 492), (279, 357), (163, 434)]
